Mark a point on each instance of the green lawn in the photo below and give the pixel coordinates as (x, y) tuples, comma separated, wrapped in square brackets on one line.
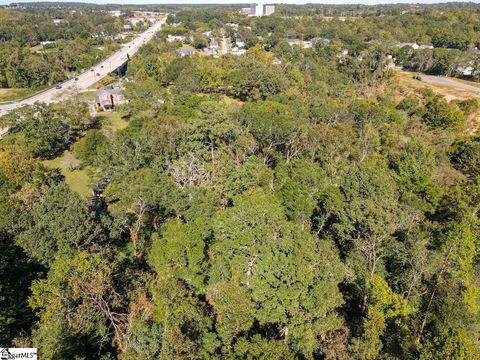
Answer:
[(107, 80), (87, 95), (36, 48), (17, 93), (111, 121), (78, 180), (82, 179)]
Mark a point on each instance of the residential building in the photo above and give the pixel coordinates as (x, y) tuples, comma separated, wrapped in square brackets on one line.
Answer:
[(110, 96), (237, 51), (186, 51), (172, 38), (307, 44), (116, 13), (291, 42), (240, 43), (213, 45), (415, 46), (466, 71), (235, 26)]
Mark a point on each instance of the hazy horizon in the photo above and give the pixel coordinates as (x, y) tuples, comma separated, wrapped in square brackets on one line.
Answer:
[(299, 2)]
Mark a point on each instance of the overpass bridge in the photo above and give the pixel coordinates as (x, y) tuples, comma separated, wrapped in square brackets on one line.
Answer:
[(85, 80)]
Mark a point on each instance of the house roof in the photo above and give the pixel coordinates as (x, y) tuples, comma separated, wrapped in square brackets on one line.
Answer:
[(110, 90), (186, 51)]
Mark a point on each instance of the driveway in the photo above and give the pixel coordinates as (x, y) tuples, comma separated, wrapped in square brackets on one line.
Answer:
[(224, 44)]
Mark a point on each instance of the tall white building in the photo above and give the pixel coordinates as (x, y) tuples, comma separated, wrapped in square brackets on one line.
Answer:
[(259, 9), (268, 9)]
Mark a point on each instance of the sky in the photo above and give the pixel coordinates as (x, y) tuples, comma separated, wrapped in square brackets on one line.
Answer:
[(368, 2)]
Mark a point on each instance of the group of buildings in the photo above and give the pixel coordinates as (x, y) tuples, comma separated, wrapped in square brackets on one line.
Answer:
[(258, 9)]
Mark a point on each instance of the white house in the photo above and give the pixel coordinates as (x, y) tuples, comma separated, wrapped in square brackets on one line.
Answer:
[(186, 51), (415, 46), (232, 25), (307, 44), (238, 52), (466, 71), (213, 44), (240, 43), (116, 13), (172, 38)]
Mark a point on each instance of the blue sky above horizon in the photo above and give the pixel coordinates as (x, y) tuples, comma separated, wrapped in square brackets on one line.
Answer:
[(366, 2)]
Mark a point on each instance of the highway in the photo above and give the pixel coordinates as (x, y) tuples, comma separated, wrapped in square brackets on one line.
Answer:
[(86, 79)]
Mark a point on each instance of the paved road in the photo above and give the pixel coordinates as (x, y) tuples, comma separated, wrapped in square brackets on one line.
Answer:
[(224, 45), (88, 78), (450, 82)]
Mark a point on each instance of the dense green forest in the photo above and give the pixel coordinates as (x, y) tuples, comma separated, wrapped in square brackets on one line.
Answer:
[(288, 203)]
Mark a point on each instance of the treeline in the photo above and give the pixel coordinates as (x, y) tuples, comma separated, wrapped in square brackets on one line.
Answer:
[(441, 62), (30, 27), (446, 29), (258, 75), (255, 211), (452, 26), (20, 68)]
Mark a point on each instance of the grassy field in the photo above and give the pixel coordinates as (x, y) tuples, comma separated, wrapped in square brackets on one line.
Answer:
[(87, 95), (17, 93), (111, 121), (78, 180), (107, 80), (82, 179), (36, 48)]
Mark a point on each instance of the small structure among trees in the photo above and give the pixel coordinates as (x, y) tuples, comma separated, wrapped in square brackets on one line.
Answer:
[(96, 201), (110, 96)]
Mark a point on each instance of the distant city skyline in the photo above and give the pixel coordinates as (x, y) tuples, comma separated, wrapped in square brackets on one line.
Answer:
[(299, 2)]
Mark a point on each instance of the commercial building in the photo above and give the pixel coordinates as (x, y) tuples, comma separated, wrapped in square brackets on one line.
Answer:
[(258, 9)]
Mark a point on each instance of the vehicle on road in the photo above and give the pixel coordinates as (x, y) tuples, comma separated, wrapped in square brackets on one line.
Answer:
[(58, 87), (101, 66), (91, 69), (98, 74), (76, 79)]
